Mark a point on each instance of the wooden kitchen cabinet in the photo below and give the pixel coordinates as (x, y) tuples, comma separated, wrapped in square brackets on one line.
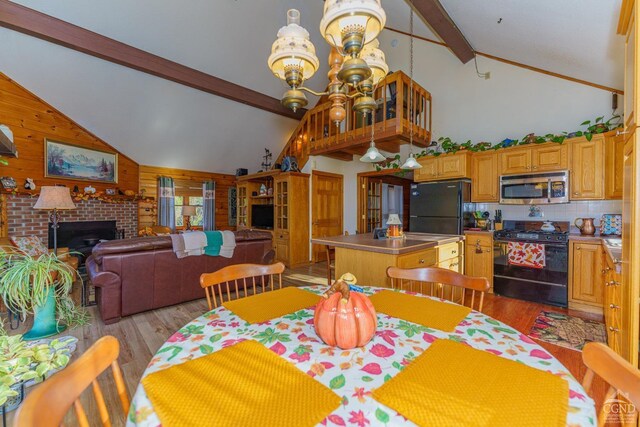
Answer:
[(614, 166), (484, 177), (612, 304), (428, 171), (478, 256), (587, 169), (549, 157), (445, 166), (586, 276), (513, 161)]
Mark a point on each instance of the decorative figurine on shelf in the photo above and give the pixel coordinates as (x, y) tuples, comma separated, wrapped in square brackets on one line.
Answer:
[(263, 190), (29, 184), (270, 191), (89, 189), (76, 189), (266, 164), (344, 318), (289, 164), (394, 227)]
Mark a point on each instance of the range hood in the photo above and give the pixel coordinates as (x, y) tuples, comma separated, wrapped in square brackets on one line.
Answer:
[(7, 147)]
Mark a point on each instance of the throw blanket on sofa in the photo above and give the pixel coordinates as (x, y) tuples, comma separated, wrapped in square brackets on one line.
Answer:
[(214, 242), (228, 244), (189, 244)]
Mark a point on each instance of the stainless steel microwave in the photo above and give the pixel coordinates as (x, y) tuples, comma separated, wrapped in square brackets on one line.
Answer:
[(535, 188)]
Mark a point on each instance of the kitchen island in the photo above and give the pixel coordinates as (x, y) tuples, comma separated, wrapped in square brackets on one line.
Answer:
[(368, 258)]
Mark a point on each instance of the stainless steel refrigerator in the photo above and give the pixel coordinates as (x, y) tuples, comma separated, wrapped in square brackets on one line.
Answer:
[(442, 207)]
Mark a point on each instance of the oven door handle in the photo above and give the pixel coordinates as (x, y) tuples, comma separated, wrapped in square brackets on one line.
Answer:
[(553, 245)]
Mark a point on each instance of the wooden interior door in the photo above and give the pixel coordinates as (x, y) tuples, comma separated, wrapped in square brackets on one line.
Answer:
[(326, 209)]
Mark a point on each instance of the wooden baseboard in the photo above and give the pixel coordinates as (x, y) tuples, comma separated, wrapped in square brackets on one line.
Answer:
[(589, 308)]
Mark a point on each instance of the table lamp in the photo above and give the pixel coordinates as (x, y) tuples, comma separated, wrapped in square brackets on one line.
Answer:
[(394, 229), (54, 199), (187, 213)]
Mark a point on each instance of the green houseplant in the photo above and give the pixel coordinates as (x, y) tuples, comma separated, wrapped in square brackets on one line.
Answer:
[(20, 363), (39, 285)]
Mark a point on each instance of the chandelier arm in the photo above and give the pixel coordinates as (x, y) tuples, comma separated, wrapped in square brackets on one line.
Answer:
[(312, 91)]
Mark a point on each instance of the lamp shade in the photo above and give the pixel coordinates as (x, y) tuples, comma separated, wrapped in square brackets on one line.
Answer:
[(394, 219), (344, 17), (372, 155), (375, 59), (188, 210), (293, 50), (411, 163), (54, 198)]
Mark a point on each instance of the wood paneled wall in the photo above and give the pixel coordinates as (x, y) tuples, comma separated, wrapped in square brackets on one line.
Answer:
[(149, 183), (32, 120)]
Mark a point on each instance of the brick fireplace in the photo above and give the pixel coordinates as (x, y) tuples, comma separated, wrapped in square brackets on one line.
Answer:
[(23, 220)]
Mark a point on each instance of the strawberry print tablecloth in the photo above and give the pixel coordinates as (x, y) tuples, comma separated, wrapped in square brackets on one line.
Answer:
[(352, 374)]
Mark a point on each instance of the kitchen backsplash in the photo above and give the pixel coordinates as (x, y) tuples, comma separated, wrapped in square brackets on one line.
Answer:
[(560, 212)]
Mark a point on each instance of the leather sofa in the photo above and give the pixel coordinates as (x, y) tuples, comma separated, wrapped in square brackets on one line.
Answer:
[(135, 275)]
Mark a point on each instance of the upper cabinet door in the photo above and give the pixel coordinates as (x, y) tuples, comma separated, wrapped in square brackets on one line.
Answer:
[(614, 170), (428, 171), (514, 161), (549, 158), (484, 177), (453, 165), (587, 169)]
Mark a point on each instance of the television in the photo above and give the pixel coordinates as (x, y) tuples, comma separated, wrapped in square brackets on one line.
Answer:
[(262, 216)]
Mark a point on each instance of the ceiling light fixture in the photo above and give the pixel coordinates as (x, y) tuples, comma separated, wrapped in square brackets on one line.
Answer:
[(411, 162), (372, 155), (351, 28)]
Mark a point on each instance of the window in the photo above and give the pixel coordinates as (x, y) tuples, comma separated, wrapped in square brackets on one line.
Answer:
[(197, 220)]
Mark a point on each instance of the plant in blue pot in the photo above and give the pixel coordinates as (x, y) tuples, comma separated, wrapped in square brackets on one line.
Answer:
[(39, 285)]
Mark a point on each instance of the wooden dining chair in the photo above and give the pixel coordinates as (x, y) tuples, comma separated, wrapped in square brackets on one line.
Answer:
[(260, 277), (49, 402), (433, 281), (622, 377), (331, 258)]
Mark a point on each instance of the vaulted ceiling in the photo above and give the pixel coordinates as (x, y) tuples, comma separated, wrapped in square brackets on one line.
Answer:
[(162, 123)]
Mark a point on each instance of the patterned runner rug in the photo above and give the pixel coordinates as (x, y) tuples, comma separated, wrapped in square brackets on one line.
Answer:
[(567, 331)]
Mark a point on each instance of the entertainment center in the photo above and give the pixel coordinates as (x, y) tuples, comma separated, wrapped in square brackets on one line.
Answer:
[(283, 210)]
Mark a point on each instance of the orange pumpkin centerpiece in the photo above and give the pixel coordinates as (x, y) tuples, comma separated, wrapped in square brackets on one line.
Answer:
[(345, 319)]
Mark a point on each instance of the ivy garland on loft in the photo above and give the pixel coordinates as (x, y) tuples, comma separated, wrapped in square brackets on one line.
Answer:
[(446, 145)]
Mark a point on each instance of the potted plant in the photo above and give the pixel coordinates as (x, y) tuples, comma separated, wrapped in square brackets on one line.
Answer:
[(39, 285), (21, 363)]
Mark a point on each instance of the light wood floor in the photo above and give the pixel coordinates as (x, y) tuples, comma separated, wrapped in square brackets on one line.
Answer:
[(142, 335)]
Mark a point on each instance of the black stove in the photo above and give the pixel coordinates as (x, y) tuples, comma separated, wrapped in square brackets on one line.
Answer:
[(529, 231), (546, 284)]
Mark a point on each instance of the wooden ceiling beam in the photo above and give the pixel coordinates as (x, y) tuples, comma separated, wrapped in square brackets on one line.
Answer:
[(37, 24), (434, 15)]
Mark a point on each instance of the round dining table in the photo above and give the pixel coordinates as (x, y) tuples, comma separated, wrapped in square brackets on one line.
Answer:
[(352, 374)]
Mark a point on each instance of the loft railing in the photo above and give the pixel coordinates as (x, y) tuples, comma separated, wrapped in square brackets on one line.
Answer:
[(317, 135)]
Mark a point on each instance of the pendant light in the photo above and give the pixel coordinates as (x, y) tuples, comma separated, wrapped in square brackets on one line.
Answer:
[(372, 155), (411, 162)]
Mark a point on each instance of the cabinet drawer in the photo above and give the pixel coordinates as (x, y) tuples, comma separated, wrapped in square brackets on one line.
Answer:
[(280, 235), (425, 258), (453, 264), (485, 240), (448, 251)]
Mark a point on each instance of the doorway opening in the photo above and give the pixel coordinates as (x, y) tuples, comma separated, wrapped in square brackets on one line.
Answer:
[(380, 194)]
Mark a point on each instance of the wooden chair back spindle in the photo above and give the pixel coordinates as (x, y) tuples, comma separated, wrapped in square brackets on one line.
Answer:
[(622, 377), (48, 403), (437, 279), (212, 282)]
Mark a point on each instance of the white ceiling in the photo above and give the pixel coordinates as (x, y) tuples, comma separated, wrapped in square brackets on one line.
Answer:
[(158, 122)]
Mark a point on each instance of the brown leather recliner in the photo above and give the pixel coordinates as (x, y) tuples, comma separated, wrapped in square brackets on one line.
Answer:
[(140, 274)]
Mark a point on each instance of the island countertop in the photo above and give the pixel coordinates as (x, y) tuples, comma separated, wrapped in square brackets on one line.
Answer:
[(412, 243)]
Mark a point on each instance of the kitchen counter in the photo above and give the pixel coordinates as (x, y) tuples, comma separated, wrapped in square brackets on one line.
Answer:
[(365, 242), (368, 258)]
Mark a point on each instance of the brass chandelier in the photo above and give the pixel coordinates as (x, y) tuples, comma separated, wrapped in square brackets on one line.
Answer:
[(356, 62)]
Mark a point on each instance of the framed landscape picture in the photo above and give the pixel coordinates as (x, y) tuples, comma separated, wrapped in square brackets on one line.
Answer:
[(68, 161)]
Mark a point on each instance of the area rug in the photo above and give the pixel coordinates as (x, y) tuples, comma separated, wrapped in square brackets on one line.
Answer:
[(567, 331)]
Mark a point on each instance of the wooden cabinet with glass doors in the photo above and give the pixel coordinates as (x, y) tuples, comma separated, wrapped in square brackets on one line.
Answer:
[(291, 218)]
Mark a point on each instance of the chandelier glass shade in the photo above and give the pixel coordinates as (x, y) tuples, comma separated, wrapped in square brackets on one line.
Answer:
[(293, 56), (350, 24), (376, 60), (411, 163)]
